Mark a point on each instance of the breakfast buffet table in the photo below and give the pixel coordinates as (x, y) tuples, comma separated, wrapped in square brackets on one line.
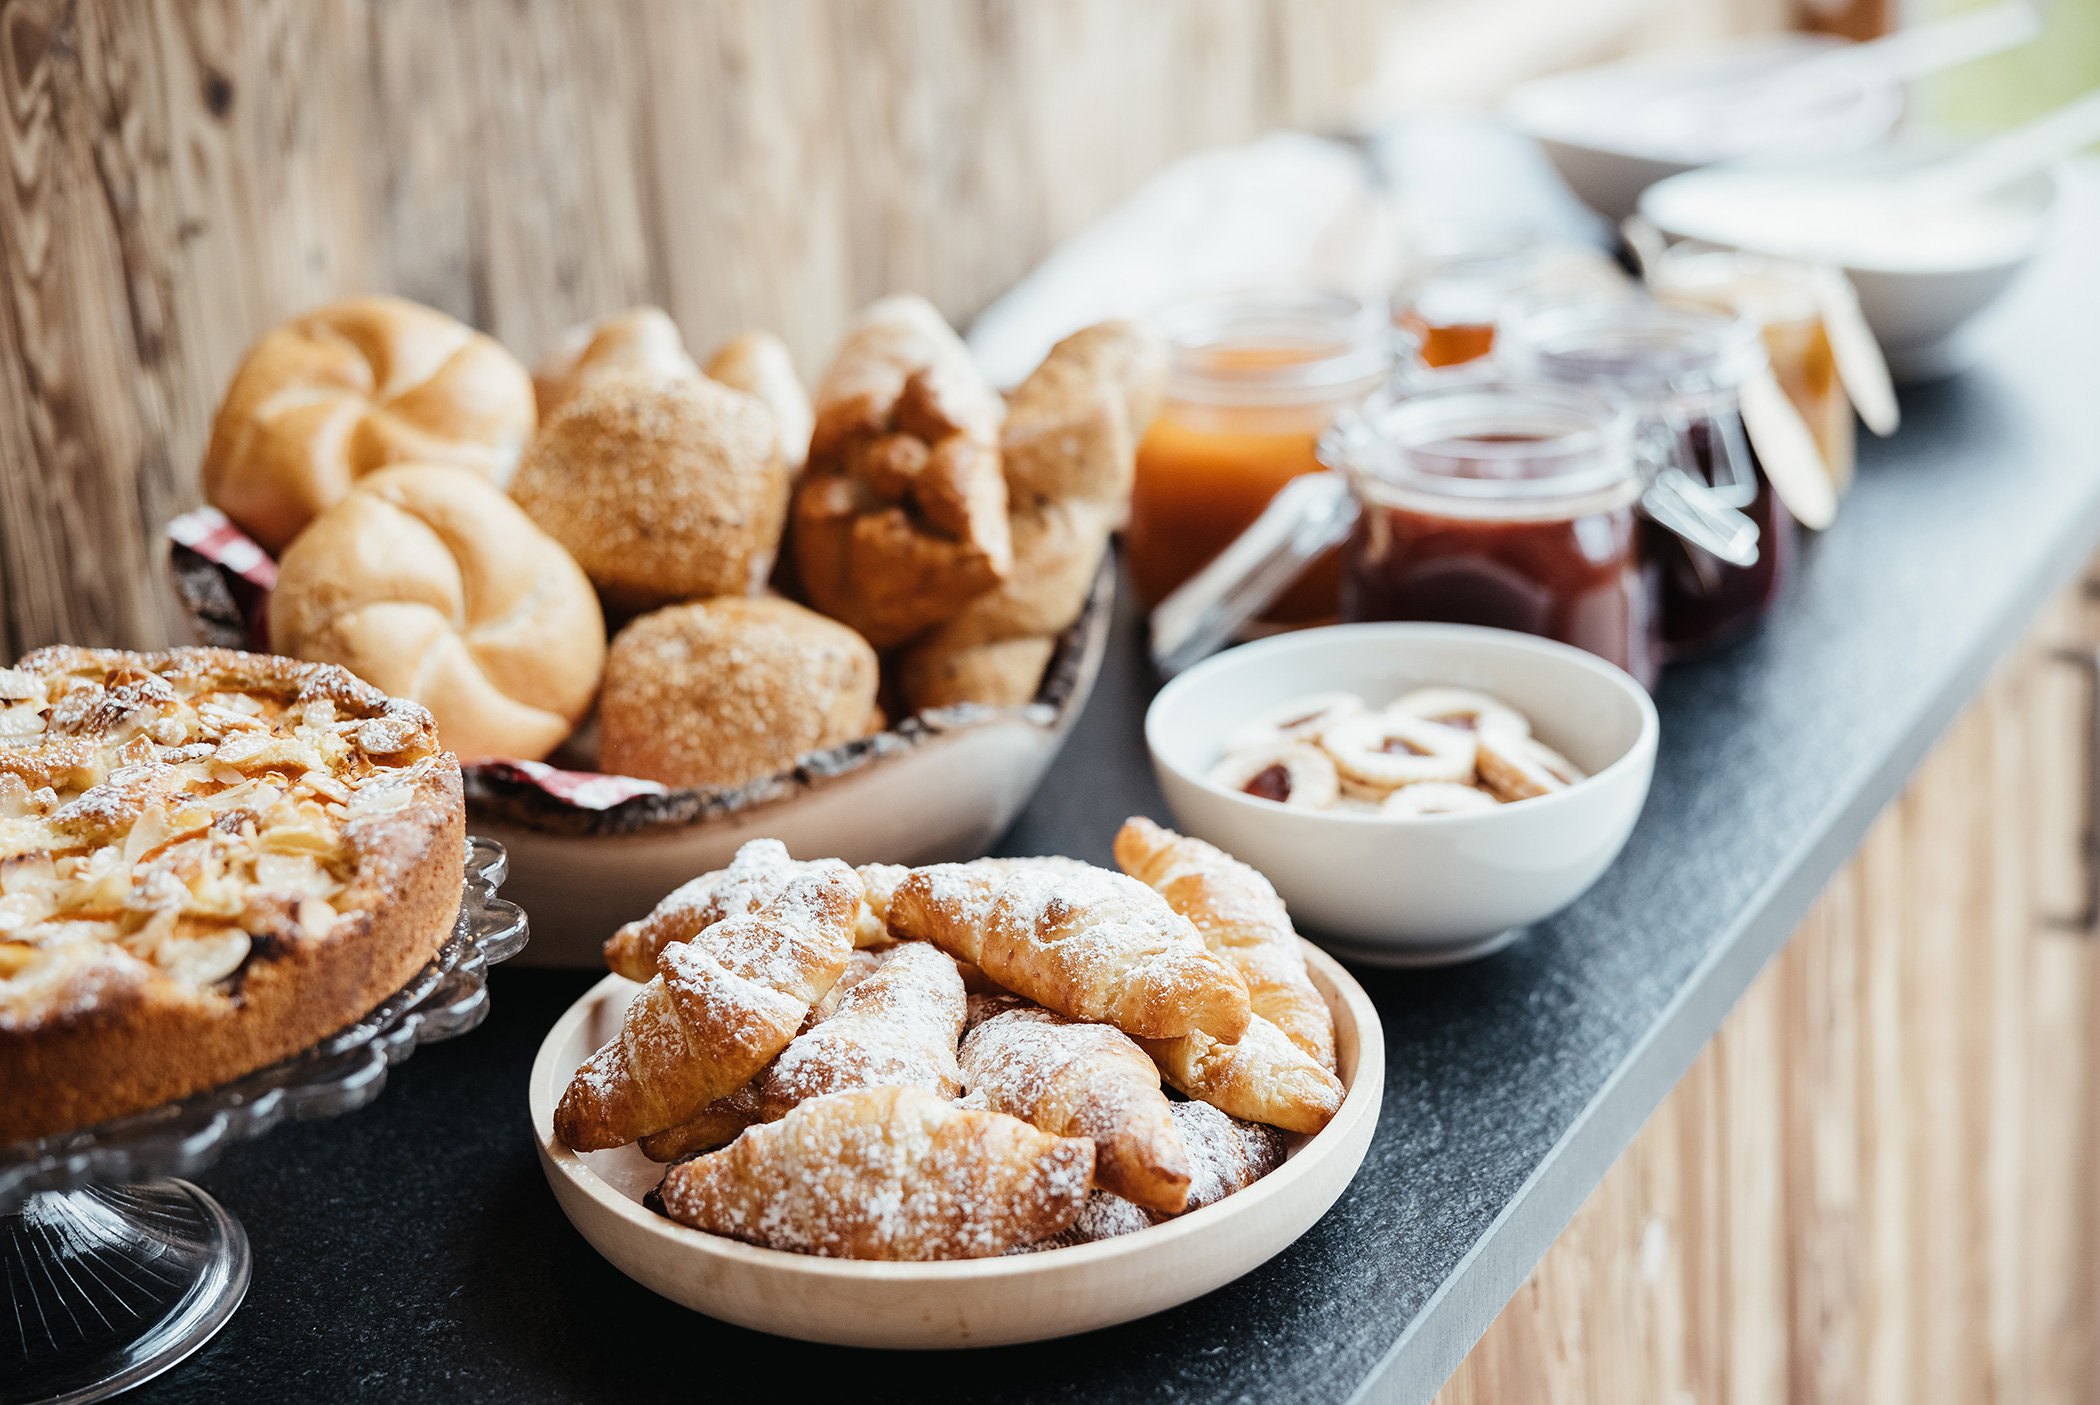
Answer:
[(413, 1251)]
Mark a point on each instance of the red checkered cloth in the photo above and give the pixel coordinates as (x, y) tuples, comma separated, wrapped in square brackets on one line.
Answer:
[(210, 534)]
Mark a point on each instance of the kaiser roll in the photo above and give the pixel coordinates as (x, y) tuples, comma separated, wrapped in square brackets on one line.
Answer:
[(348, 388), (729, 690), (664, 488), (430, 584)]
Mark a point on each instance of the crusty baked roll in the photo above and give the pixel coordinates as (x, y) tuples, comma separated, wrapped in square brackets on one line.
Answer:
[(721, 1005), (344, 389), (1069, 446), (1261, 1078), (430, 584), (900, 519), (1072, 428), (640, 339), (1083, 1080), (886, 1173), (664, 488), (725, 691), (1238, 915), (1087, 943), (758, 363), (898, 1026)]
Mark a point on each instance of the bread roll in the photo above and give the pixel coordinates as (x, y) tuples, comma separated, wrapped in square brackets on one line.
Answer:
[(730, 690), (430, 584), (758, 363), (340, 391), (663, 488), (900, 519), (640, 339), (1072, 427)]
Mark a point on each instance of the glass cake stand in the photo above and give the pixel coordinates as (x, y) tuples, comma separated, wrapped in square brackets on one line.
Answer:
[(112, 1269)]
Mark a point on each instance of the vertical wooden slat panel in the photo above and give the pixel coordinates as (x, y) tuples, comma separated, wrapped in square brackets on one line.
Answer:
[(1875, 1185)]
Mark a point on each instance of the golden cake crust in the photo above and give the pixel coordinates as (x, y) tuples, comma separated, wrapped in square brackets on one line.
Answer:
[(328, 874)]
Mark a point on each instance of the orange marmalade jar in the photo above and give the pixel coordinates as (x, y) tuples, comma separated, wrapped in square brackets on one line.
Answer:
[(1254, 378)]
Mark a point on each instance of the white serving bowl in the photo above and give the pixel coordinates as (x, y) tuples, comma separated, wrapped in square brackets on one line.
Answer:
[(1427, 889), (1581, 118), (964, 1302), (1916, 301)]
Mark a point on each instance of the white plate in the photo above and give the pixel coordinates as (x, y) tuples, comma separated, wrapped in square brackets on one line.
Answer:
[(972, 1302)]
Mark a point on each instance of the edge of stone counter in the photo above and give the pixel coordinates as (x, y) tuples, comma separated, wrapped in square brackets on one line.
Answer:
[(1459, 1313)]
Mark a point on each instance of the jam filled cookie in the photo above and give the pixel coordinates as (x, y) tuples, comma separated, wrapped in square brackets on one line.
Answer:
[(1519, 768), (1463, 709), (1385, 751), (1288, 772), (1301, 719), (1437, 798)]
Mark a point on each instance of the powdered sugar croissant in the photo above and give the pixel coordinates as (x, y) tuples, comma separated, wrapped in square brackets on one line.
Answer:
[(1240, 918), (720, 1006), (886, 1173), (1087, 943), (1261, 1078), (1083, 1080), (898, 1026)]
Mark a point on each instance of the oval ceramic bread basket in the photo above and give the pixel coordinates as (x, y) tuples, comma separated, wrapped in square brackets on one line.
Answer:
[(969, 1302)]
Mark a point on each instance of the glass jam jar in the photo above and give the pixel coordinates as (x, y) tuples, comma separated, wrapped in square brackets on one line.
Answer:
[(1786, 301), (1254, 379), (1682, 370), (1493, 502)]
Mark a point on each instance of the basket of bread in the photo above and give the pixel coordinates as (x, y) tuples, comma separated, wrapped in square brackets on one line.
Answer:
[(659, 609), (958, 1104)]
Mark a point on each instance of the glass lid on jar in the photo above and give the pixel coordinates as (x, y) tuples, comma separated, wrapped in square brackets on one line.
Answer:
[(1645, 351), (1476, 436), (1275, 346)]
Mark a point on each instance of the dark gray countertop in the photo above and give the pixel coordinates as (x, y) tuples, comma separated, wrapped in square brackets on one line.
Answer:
[(413, 1251)]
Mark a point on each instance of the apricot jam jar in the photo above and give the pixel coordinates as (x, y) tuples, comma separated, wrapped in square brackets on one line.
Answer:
[(1255, 377)]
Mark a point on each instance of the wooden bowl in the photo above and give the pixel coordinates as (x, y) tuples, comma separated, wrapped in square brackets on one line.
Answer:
[(969, 1302)]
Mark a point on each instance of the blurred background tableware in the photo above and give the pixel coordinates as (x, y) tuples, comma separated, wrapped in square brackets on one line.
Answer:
[(1688, 373), (1616, 129), (1427, 889), (1928, 238)]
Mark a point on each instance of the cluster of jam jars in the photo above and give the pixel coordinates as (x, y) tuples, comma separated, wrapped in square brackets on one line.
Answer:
[(1591, 482)]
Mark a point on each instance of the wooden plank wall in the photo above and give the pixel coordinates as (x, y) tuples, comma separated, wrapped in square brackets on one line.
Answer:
[(1875, 1186), (181, 174)]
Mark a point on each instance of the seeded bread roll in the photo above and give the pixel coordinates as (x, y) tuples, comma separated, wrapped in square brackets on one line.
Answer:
[(351, 387), (430, 584), (730, 690), (663, 487)]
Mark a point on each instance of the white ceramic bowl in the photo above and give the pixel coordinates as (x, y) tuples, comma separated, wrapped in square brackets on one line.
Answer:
[(971, 1302), (1581, 118), (1429, 889), (1916, 301)]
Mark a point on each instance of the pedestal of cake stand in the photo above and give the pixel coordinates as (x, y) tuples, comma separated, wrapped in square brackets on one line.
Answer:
[(112, 1285)]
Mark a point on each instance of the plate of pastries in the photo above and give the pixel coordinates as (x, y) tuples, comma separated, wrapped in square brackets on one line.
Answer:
[(659, 608), (958, 1104)]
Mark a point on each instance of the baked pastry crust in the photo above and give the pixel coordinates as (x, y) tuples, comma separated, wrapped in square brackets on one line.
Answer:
[(209, 861), (1239, 916), (640, 339), (886, 1173), (1082, 941), (1262, 1077)]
